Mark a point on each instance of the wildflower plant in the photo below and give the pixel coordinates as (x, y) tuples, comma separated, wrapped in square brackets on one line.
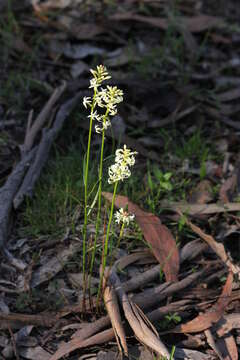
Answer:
[(106, 100), (103, 105)]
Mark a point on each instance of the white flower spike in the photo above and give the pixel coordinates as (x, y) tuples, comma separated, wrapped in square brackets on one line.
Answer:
[(106, 98), (124, 158)]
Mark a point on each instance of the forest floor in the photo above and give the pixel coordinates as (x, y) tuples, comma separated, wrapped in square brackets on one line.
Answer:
[(178, 64)]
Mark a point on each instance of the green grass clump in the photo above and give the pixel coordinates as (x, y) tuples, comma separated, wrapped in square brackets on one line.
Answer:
[(57, 196)]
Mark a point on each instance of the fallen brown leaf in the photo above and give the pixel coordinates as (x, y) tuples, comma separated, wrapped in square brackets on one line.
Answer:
[(227, 188), (141, 326), (156, 234), (111, 304)]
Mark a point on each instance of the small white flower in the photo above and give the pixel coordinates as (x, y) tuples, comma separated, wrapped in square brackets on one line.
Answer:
[(94, 84), (99, 98), (95, 116), (113, 110), (122, 216), (87, 101), (105, 125), (98, 129)]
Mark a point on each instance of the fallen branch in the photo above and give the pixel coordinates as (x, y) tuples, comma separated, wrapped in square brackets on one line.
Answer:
[(203, 209), (41, 119), (8, 192), (44, 147)]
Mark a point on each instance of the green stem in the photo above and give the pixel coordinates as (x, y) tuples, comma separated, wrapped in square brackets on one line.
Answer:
[(118, 243), (99, 201), (86, 191), (120, 235), (105, 252)]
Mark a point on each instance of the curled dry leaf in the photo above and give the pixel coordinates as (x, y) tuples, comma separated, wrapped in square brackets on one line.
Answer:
[(156, 234), (111, 304), (205, 321), (141, 326)]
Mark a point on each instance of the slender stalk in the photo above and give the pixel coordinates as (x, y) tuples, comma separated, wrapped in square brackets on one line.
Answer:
[(105, 251), (99, 202), (120, 235), (86, 193), (118, 243)]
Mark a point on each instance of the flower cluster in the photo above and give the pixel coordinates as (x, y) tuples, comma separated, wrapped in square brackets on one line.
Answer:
[(107, 98), (122, 216), (124, 158), (99, 75)]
